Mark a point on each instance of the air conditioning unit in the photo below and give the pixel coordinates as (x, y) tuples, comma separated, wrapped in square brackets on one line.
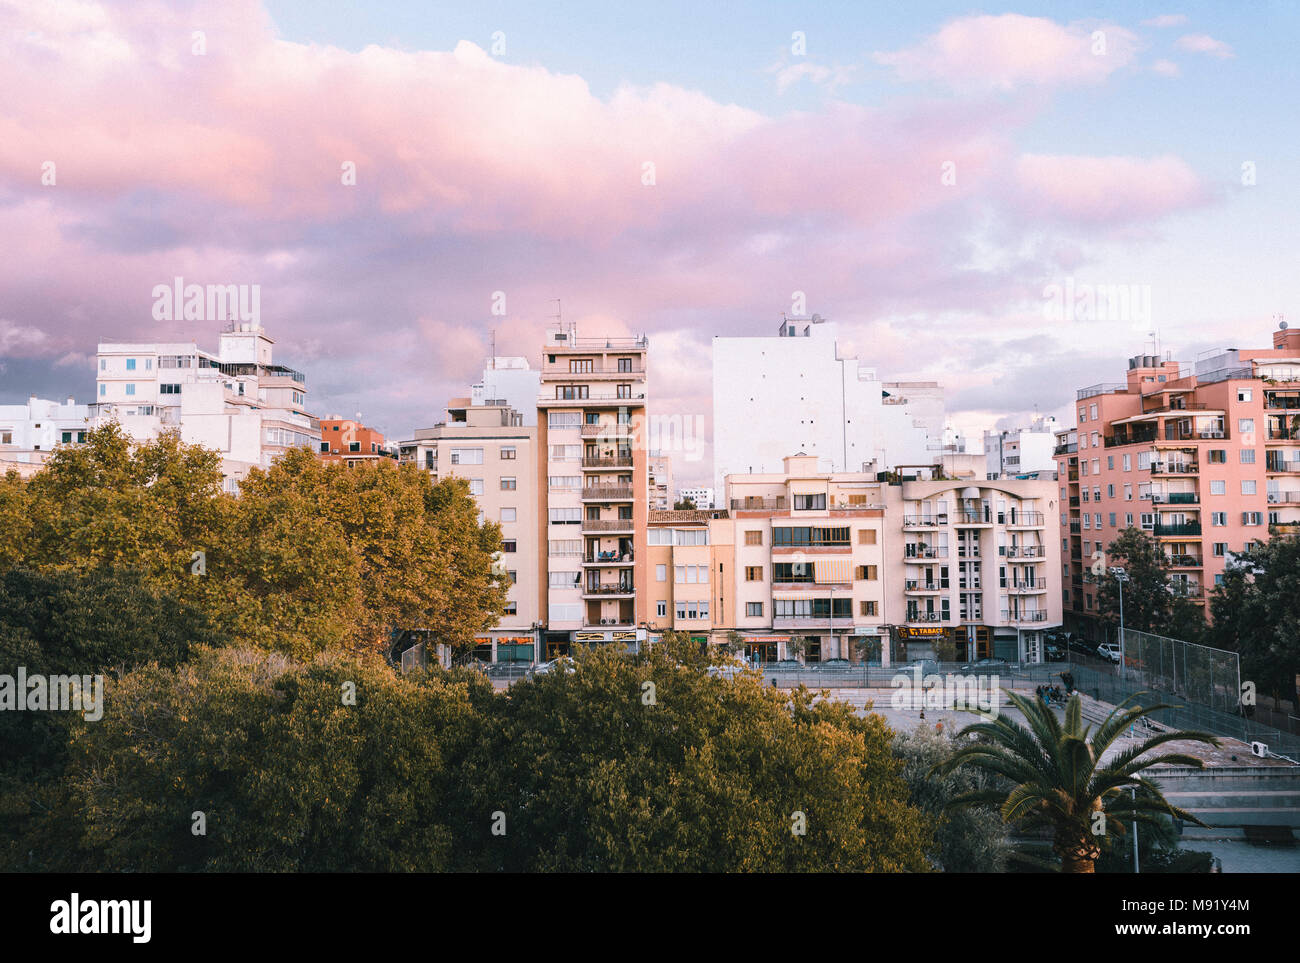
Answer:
[(1259, 749)]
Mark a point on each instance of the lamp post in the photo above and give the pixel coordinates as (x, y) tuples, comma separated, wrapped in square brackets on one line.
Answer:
[(1133, 791), (1120, 577)]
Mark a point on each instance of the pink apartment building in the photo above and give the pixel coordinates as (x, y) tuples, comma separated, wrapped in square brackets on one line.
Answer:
[(1204, 457)]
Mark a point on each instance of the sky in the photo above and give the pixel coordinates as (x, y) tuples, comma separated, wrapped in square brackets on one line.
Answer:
[(927, 175)]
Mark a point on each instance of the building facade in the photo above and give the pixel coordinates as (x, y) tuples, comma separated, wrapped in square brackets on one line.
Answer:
[(346, 441), (659, 480), (1021, 451), (592, 483), (1205, 458), (798, 391), (237, 401), (29, 433), (701, 497)]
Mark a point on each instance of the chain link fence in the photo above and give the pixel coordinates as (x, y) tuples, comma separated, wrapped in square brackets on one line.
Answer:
[(1189, 672)]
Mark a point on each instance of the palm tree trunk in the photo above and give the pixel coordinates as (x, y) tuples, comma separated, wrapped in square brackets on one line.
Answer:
[(1078, 854)]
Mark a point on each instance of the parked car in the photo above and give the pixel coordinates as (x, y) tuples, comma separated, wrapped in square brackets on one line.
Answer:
[(834, 664), (989, 666), (1083, 647), (1110, 652), (546, 668)]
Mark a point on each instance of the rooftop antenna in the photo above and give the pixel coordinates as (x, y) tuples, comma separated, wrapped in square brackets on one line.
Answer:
[(494, 349)]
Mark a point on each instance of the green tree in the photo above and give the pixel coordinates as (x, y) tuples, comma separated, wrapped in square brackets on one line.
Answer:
[(288, 774), (969, 839), (1256, 613), (1148, 602), (1058, 778), (684, 504), (650, 763)]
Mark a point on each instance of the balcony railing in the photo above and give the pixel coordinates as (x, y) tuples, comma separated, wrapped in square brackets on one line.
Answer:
[(1183, 561), (973, 518), (597, 493), (607, 558), (1024, 616), (924, 521), (924, 617), (606, 461), (920, 554), (1174, 498), (607, 524), (1283, 498), (1022, 519), (1102, 389), (1026, 551), (1279, 464), (1066, 448), (916, 585), (1186, 528), (758, 504), (608, 429), (1028, 585), (1174, 468), (617, 589)]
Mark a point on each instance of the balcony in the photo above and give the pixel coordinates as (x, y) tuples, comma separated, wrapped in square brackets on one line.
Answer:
[(616, 590), (811, 621), (1074, 501), (1274, 462), (1175, 468), (607, 430), (754, 504), (973, 518), (1026, 551), (607, 493), (1025, 586), (1175, 498), (607, 461), (1065, 449), (1177, 531), (1186, 590), (923, 618), (607, 558), (1175, 433), (914, 554), (916, 585), (1075, 528), (924, 521), (1184, 561), (1283, 498), (607, 525), (1024, 617), (1101, 389), (1022, 519)]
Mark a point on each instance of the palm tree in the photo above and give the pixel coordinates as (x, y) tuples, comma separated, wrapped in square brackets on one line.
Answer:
[(1059, 780)]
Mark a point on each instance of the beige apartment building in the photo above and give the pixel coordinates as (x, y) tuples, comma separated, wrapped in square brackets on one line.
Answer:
[(592, 485), (818, 565), (490, 446), (659, 473)]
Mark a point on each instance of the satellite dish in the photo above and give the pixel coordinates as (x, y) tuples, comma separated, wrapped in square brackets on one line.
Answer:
[(1282, 325)]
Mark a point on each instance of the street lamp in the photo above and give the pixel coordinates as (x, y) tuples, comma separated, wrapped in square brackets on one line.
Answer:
[(1120, 577)]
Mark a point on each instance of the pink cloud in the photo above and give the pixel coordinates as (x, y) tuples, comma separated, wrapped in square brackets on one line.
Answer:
[(1204, 43), (1009, 51), (1107, 189)]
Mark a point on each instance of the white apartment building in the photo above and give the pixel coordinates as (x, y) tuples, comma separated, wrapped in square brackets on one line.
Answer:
[(237, 401), (510, 382), (702, 497), (1021, 451), (660, 480), (798, 391), (31, 431)]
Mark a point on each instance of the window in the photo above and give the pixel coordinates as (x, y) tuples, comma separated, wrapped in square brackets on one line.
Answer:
[(1247, 456), (1110, 491), (1148, 521), (356, 446), (866, 536), (661, 608), (754, 609), (476, 486), (565, 546), (1252, 518), (1245, 425), (810, 502), (571, 392), (566, 452), (467, 456), (754, 537), (1218, 519), (514, 576), (625, 364), (509, 545), (1112, 519), (103, 364), (661, 573), (810, 536), (130, 364), (130, 389), (1083, 415), (564, 419), (169, 389), (1110, 462), (508, 483), (1128, 462), (564, 483), (1220, 549), (566, 516), (623, 391), (507, 453), (867, 608), (1248, 486), (564, 579), (1218, 487), (865, 573), (1217, 456), (1128, 492), (508, 514), (1243, 394), (753, 573), (580, 366), (103, 390), (1092, 412), (325, 446), (1128, 518)]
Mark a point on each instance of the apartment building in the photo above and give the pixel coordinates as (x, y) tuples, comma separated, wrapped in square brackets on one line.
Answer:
[(690, 555), (884, 568), (491, 447), (659, 480), (346, 441), (1021, 451), (799, 390), (700, 497), (236, 401), (592, 482), (1204, 457), (30, 432)]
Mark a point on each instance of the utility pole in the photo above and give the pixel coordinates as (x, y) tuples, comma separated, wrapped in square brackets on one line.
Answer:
[(1121, 577)]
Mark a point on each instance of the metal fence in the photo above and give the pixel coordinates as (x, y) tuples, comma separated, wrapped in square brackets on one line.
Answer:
[(1109, 687), (1189, 672), (873, 676)]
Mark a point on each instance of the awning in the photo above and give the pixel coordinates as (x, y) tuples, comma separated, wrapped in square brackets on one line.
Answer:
[(831, 570)]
